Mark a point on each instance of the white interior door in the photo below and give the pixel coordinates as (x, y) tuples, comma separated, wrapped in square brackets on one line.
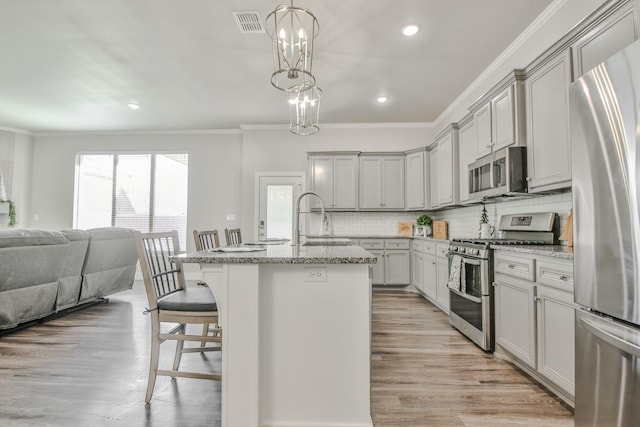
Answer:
[(276, 197)]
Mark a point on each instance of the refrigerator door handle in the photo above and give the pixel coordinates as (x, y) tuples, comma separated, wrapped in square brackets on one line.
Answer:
[(615, 341)]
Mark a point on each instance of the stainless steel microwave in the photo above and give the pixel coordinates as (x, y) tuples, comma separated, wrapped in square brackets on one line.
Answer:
[(501, 173)]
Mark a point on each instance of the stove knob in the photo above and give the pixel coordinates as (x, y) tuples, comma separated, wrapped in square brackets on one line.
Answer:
[(475, 251)]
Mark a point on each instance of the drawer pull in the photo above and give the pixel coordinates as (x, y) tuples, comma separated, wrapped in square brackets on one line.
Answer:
[(511, 266), (563, 277)]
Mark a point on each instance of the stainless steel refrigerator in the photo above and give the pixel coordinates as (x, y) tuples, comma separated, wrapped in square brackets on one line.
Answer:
[(605, 130)]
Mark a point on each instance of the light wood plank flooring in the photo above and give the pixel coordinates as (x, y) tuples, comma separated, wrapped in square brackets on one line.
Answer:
[(425, 373), (89, 368)]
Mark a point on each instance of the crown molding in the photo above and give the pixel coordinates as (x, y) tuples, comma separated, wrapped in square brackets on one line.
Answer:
[(149, 132)]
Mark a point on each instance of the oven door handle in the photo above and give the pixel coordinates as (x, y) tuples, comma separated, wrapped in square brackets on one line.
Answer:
[(467, 296), (472, 261)]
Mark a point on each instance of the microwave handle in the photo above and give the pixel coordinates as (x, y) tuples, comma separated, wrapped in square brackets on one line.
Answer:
[(492, 175)]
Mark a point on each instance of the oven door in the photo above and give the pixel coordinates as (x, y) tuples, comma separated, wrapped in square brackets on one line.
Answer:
[(475, 273), (470, 309)]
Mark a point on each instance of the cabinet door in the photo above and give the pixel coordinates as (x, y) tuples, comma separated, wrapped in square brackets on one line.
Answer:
[(482, 119), (609, 37), (417, 269), (549, 152), (502, 119), (378, 268), (515, 317), (556, 342), (442, 266), (393, 182), (397, 267), (430, 278), (415, 181), (467, 155), (433, 176), (370, 183), (322, 179), (445, 171), (345, 182)]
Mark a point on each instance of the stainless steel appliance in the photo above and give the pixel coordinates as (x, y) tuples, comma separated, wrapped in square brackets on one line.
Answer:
[(501, 173), (606, 176), (471, 300)]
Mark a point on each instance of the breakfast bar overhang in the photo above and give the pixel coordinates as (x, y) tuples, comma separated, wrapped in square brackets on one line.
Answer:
[(296, 325)]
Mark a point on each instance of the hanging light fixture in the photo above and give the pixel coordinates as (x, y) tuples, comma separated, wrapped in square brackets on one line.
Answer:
[(293, 31), (304, 111)]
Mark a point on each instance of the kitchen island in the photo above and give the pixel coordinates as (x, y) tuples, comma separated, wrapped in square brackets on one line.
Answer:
[(296, 328)]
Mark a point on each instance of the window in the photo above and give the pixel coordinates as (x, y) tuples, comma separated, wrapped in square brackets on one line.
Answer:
[(145, 192)]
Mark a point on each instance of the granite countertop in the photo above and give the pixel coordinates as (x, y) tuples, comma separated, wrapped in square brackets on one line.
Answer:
[(370, 236), (557, 251), (283, 254)]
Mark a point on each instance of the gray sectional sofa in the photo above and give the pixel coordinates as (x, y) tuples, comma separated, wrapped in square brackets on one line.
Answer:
[(43, 272)]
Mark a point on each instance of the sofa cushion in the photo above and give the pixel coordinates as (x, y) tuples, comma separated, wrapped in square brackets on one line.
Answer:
[(31, 237), (30, 265), (111, 263), (71, 276)]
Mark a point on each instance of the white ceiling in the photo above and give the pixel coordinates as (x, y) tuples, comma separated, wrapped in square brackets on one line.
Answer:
[(73, 65)]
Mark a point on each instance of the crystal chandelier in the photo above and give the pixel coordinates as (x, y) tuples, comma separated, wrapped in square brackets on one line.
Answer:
[(304, 111), (292, 30)]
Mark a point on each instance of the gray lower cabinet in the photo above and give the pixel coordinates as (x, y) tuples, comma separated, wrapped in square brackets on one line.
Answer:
[(534, 317), (431, 271), (442, 267), (394, 261)]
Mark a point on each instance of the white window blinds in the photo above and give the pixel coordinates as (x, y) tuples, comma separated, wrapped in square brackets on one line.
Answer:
[(145, 192)]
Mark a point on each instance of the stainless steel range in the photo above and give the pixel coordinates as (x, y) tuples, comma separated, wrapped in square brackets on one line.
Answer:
[(471, 272)]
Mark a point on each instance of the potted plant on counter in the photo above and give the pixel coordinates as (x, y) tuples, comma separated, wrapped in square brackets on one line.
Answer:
[(424, 226)]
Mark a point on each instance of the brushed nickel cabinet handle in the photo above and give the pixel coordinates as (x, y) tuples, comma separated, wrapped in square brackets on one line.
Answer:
[(563, 277)]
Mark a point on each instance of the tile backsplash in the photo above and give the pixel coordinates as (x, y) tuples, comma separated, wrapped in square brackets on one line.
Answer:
[(462, 221)]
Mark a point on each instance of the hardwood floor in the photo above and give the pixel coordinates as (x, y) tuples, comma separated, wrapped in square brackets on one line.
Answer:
[(89, 368), (425, 373)]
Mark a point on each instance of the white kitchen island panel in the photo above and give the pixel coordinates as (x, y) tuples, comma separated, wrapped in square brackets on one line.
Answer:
[(296, 335)]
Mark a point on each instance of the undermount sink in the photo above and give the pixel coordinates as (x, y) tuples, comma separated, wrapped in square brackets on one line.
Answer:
[(327, 241)]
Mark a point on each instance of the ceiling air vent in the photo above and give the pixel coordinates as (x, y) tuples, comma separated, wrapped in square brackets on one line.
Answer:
[(249, 22)]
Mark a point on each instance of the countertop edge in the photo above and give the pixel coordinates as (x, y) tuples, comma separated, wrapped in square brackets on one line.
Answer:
[(554, 251)]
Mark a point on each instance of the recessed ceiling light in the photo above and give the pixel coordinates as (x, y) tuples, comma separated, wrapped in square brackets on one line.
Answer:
[(133, 106), (382, 99), (410, 30)]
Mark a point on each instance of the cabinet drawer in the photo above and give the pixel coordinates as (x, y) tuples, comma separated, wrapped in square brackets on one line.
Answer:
[(418, 245), (523, 268), (429, 248), (442, 250), (372, 243), (397, 244), (555, 274)]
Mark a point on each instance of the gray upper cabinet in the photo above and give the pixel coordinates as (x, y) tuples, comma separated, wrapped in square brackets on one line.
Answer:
[(335, 178), (381, 181), (610, 33), (416, 182), (549, 149), (466, 152), (498, 116), (444, 168)]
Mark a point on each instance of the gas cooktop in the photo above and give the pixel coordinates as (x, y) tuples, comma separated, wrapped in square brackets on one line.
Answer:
[(479, 241)]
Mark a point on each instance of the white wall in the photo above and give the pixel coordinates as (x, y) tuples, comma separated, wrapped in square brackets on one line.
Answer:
[(22, 177), (15, 167), (214, 174), (277, 150)]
